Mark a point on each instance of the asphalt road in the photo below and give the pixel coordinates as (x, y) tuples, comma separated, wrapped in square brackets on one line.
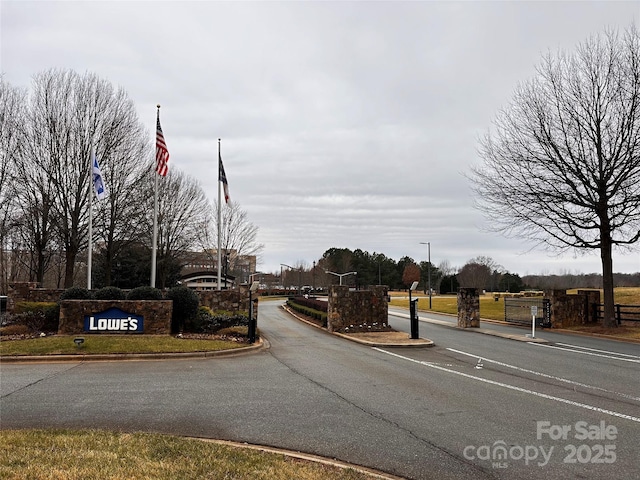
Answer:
[(566, 409)]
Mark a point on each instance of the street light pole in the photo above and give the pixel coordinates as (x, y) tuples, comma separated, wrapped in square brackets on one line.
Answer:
[(428, 244), (340, 274), (290, 268)]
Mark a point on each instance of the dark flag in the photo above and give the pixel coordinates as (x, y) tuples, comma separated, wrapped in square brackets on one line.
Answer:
[(222, 177)]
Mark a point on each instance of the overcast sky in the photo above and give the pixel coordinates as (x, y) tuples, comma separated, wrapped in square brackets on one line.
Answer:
[(343, 124)]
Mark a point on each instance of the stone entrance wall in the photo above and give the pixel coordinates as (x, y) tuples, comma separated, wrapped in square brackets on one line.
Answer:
[(568, 310), (156, 314), (235, 300), (358, 310), (29, 292), (468, 308)]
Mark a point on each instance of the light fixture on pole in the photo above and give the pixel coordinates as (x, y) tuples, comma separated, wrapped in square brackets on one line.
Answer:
[(284, 265), (341, 274), (428, 244)]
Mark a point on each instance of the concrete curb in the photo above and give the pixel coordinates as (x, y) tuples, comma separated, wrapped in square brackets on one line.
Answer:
[(260, 343), (413, 343), (305, 456), (485, 331)]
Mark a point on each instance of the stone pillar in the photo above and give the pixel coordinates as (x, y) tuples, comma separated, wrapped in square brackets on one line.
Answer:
[(357, 311), (468, 308)]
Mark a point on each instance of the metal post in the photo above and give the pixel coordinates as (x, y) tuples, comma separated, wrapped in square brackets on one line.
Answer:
[(413, 314), (252, 327), (249, 327), (429, 272)]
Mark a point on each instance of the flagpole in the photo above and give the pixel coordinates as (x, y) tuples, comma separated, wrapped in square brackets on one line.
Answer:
[(219, 222), (155, 224), (155, 233), (92, 155)]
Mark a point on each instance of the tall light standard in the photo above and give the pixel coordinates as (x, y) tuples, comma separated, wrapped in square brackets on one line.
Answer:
[(340, 274), (428, 244), (284, 265)]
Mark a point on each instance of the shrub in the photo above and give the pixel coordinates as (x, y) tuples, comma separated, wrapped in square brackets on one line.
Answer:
[(144, 293), (76, 293), (203, 317), (318, 315), (109, 293), (320, 305), (15, 329), (185, 307), (37, 316), (222, 320)]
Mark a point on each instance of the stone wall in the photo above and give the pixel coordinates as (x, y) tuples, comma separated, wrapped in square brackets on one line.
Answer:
[(468, 308), (568, 310), (156, 314), (28, 292), (235, 300), (358, 310)]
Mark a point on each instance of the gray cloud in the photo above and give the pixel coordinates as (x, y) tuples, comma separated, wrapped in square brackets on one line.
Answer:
[(343, 124)]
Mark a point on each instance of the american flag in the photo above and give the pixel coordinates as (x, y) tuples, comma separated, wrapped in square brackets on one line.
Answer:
[(222, 177), (162, 154)]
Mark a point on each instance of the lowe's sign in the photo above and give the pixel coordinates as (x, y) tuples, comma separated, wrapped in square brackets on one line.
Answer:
[(113, 320)]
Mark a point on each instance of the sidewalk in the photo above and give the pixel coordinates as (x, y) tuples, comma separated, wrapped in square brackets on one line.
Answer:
[(485, 331)]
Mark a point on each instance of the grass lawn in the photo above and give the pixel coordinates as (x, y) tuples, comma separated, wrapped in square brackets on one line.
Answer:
[(105, 344), (90, 454)]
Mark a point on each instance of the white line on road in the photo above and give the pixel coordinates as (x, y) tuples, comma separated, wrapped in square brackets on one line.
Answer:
[(587, 353), (518, 389), (545, 375), (601, 351)]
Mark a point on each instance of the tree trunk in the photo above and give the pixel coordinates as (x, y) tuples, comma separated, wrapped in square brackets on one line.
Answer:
[(70, 258), (609, 319)]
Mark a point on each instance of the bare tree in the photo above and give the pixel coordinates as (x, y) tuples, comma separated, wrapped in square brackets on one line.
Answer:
[(11, 140), (562, 166), (68, 116), (237, 235), (474, 274), (410, 274), (32, 194), (182, 217), (124, 152)]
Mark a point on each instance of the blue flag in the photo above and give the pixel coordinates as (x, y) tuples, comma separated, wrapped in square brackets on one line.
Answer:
[(98, 183)]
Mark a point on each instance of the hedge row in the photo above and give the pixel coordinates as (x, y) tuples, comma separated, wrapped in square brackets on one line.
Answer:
[(308, 311), (320, 305)]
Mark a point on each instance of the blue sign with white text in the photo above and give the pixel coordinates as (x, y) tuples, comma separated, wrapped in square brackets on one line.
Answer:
[(113, 320)]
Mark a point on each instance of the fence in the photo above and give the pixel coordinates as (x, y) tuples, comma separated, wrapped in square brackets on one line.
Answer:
[(518, 310), (624, 313)]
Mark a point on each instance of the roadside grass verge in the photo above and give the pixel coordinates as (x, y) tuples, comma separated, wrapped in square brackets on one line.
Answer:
[(628, 332), (92, 454), (110, 344)]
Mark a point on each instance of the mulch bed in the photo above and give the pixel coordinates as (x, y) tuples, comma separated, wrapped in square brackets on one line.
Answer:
[(212, 336)]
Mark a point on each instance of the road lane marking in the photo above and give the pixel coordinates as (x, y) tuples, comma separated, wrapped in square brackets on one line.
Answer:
[(517, 389), (596, 350), (545, 375), (586, 353)]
